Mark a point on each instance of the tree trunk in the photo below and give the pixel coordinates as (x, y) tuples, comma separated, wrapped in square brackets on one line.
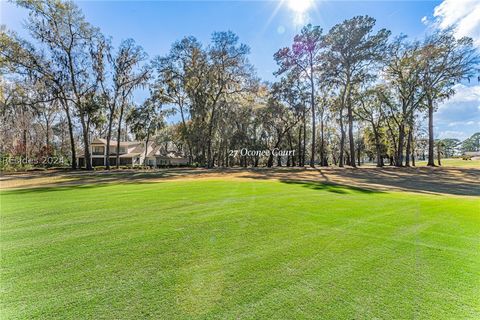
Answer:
[(70, 132), (291, 148), (323, 158), (270, 160), (146, 150), (119, 132), (226, 156), (312, 97), (358, 156), (342, 140), (401, 139), (209, 152), (378, 147), (86, 143), (412, 144), (379, 155), (187, 137), (394, 144), (439, 155), (431, 161), (209, 141), (24, 142), (47, 135), (109, 137), (350, 134), (300, 146), (304, 136), (407, 151), (322, 155)]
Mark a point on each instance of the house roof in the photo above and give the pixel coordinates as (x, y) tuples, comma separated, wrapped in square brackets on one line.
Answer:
[(155, 150), (170, 155), (139, 149), (129, 155), (472, 153), (126, 155), (114, 142)]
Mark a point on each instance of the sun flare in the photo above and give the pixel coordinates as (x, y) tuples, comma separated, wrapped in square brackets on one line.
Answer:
[(300, 6)]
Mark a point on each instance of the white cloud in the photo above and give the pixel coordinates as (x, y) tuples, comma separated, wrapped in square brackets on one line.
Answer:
[(464, 93), (459, 117), (463, 14), (448, 134), (461, 123)]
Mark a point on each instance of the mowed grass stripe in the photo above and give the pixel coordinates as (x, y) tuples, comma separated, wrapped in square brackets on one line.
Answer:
[(237, 249)]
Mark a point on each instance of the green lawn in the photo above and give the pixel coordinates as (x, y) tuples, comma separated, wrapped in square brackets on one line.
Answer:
[(209, 249), (454, 162)]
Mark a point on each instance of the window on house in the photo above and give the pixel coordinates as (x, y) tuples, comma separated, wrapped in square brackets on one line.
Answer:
[(98, 150), (122, 150)]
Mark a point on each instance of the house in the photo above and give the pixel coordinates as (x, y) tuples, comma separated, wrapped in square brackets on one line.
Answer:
[(474, 155), (160, 157), (131, 153)]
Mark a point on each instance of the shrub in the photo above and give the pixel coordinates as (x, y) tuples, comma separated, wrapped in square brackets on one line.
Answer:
[(9, 163), (36, 169)]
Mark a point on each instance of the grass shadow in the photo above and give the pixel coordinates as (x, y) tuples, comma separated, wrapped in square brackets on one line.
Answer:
[(330, 187), (453, 181), (74, 186), (85, 179)]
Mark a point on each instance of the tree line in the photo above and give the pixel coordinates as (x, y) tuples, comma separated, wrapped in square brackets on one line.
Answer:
[(339, 96)]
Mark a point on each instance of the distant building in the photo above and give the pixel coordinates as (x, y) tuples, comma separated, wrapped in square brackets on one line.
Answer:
[(131, 153), (158, 157), (475, 155)]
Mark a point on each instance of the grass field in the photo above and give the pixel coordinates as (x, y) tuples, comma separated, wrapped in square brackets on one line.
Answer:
[(454, 162), (253, 249)]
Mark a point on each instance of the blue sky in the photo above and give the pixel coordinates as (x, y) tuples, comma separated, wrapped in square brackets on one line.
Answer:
[(265, 26)]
